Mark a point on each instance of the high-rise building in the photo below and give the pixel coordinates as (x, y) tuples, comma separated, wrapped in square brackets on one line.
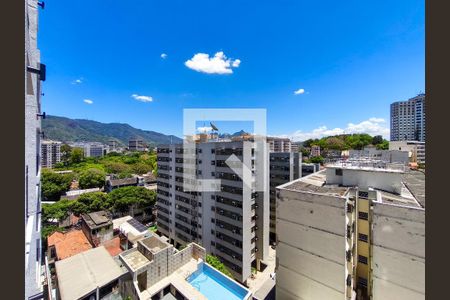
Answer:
[(408, 119), (353, 231), (233, 223), (415, 149), (50, 153), (136, 145), (94, 150), (315, 150), (284, 167), (281, 145), (34, 73)]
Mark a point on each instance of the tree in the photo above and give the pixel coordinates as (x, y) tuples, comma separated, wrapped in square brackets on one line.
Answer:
[(66, 152), (141, 168), (48, 230), (76, 155), (59, 210), (94, 201), (216, 263), (117, 168), (92, 178), (317, 159), (122, 199), (383, 146), (54, 185), (378, 139)]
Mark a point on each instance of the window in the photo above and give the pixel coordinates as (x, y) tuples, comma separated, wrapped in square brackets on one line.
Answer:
[(213, 174), (213, 151), (363, 237), (213, 243), (363, 215), (338, 172), (362, 259), (212, 220), (362, 281), (213, 162)]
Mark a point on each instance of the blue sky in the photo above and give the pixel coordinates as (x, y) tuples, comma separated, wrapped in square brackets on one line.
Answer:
[(351, 58)]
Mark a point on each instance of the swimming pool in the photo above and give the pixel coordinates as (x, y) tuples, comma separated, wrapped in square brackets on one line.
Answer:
[(216, 286)]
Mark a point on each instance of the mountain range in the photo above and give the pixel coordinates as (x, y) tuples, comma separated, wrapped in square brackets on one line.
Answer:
[(78, 130)]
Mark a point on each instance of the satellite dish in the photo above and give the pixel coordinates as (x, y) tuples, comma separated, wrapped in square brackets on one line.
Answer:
[(213, 126)]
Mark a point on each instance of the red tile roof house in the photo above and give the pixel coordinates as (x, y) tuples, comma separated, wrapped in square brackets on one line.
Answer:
[(64, 245)]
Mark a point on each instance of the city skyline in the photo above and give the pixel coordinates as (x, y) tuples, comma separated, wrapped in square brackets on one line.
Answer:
[(145, 63)]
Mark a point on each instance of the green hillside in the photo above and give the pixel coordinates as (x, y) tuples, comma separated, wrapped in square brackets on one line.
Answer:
[(75, 130)]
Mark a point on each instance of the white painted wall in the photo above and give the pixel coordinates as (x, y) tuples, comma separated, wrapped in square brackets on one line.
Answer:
[(398, 257)]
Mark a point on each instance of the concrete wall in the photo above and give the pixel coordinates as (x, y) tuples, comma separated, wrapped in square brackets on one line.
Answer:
[(311, 246), (179, 259), (32, 201), (398, 261), (387, 181)]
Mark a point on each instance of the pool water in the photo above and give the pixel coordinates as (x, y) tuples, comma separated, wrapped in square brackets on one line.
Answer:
[(216, 286)]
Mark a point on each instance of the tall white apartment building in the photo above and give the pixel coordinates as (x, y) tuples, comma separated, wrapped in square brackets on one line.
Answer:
[(408, 119), (355, 230), (233, 223), (50, 153), (34, 73)]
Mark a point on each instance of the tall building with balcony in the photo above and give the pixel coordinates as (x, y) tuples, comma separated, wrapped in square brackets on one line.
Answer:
[(50, 153), (408, 119), (136, 145), (284, 167), (34, 73), (232, 223), (281, 145), (352, 231)]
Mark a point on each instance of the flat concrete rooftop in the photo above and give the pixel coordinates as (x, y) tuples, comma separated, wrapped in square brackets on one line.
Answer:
[(413, 189), (315, 183), (134, 259)]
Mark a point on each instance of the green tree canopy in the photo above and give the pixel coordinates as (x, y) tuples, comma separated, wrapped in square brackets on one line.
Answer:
[(54, 185), (92, 178), (76, 155), (94, 201), (216, 263), (122, 198), (66, 152)]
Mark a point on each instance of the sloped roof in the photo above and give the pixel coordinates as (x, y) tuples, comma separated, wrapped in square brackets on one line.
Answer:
[(68, 244), (81, 274)]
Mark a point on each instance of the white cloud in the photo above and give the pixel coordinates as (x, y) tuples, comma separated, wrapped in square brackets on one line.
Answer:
[(372, 126), (77, 81), (142, 98), (88, 101), (204, 129), (299, 92), (163, 55), (218, 64)]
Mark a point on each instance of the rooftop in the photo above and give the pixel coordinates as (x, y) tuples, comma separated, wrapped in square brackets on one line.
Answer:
[(97, 219), (315, 183), (113, 246), (123, 181), (134, 259), (412, 188), (81, 274), (69, 244)]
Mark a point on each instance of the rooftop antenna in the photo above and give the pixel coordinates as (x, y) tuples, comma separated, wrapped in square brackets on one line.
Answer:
[(214, 128)]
